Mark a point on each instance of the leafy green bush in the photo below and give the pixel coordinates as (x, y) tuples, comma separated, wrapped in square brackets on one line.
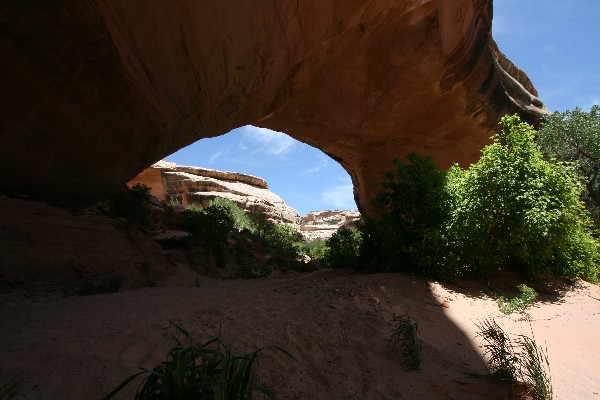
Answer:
[(212, 224), (414, 206), (316, 249), (573, 136), (284, 242), (133, 204), (241, 220), (344, 249), (513, 207), (210, 371), (406, 336), (519, 303), (510, 208)]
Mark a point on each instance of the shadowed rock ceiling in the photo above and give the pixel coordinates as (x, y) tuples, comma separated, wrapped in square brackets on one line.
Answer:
[(95, 91)]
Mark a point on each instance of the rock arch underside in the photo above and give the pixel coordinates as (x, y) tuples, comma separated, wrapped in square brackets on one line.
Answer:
[(93, 92)]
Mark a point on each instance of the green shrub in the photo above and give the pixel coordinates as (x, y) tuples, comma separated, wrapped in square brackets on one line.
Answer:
[(284, 243), (510, 208), (344, 249), (406, 336), (241, 220), (519, 303), (213, 225), (210, 371), (133, 204), (513, 207), (572, 136), (316, 249), (414, 207)]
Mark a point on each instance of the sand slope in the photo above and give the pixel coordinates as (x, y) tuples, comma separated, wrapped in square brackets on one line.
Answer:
[(337, 323)]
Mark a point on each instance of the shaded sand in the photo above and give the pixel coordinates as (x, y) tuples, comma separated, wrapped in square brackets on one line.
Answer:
[(337, 323)]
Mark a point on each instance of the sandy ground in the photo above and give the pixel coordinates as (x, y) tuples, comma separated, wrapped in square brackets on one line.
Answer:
[(336, 323)]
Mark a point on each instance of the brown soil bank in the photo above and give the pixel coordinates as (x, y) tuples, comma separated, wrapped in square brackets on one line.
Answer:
[(337, 323)]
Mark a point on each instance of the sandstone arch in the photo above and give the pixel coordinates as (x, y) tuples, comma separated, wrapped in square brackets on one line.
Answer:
[(95, 91)]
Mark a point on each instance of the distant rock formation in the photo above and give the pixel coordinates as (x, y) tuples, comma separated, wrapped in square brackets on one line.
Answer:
[(323, 224), (195, 185)]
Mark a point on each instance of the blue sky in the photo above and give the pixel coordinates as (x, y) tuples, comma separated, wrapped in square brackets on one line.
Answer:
[(556, 42)]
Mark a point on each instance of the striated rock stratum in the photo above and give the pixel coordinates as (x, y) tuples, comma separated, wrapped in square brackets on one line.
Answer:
[(323, 224), (195, 185), (95, 91)]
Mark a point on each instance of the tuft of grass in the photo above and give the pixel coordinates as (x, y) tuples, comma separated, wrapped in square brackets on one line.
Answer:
[(103, 286), (502, 360), (534, 369), (519, 361), (7, 390), (519, 303), (406, 336), (209, 371)]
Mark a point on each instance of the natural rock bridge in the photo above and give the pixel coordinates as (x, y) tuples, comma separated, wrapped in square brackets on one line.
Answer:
[(94, 91)]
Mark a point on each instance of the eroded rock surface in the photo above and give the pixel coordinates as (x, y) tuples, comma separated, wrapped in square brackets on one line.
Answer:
[(45, 248), (323, 224), (93, 92), (187, 185)]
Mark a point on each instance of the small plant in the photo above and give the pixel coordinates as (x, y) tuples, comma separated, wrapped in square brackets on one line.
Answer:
[(210, 371), (103, 286), (8, 389), (406, 335), (502, 360), (535, 369), (521, 361), (519, 303)]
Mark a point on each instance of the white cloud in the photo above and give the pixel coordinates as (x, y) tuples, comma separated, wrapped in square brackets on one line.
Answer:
[(340, 197), (214, 157), (270, 142), (322, 164)]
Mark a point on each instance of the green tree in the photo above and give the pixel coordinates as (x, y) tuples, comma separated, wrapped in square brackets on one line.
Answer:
[(513, 207), (414, 206), (344, 249), (574, 136), (284, 240)]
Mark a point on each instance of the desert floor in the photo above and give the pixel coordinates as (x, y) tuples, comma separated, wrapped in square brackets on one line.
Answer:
[(336, 323)]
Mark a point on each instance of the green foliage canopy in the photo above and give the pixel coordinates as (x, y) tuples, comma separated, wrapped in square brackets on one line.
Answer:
[(513, 207), (344, 249), (414, 206), (574, 137)]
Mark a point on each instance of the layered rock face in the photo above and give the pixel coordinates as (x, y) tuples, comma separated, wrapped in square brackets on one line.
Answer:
[(95, 91), (323, 224), (169, 181), (45, 248)]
